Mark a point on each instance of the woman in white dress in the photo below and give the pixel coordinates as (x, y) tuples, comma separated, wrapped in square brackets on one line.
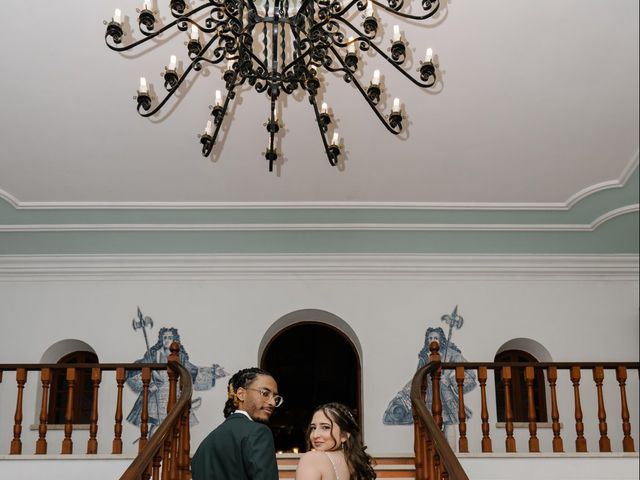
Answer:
[(334, 447)]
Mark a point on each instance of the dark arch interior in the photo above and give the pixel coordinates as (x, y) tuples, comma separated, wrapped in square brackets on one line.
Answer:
[(313, 364)]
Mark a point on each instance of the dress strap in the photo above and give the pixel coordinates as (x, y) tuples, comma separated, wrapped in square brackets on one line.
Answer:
[(333, 465)]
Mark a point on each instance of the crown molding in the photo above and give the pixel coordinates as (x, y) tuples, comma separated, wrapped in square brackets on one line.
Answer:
[(620, 182), (300, 227), (292, 267)]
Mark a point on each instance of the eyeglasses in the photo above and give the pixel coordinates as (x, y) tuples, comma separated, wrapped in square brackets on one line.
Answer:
[(268, 395)]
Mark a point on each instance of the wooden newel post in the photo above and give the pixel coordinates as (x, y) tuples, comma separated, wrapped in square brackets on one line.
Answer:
[(170, 464), (436, 403)]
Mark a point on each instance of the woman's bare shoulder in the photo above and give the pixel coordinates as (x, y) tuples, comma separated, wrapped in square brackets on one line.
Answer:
[(313, 465)]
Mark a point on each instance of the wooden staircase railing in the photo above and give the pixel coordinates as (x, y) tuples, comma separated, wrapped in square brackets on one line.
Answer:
[(434, 456), (435, 460), (168, 451)]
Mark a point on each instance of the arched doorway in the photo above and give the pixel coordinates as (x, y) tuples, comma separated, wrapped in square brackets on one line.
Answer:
[(313, 363)]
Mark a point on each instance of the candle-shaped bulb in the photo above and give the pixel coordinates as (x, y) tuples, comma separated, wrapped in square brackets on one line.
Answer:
[(376, 78), (146, 5), (194, 32), (351, 45), (324, 108), (336, 139), (173, 62), (117, 16), (208, 130), (396, 33), (429, 56), (218, 98), (143, 85), (369, 10), (396, 105)]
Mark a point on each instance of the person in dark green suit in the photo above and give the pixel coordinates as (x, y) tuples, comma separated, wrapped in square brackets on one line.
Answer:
[(242, 448)]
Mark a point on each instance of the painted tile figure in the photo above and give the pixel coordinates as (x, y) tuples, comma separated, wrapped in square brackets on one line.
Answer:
[(204, 378), (399, 410)]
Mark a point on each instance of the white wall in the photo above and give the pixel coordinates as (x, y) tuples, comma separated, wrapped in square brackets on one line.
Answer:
[(579, 312)]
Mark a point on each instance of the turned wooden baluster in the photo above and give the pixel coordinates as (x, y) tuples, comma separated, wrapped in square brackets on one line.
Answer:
[(510, 441), (436, 466), (552, 375), (627, 441), (144, 415), (436, 403), (419, 448), (41, 443), (604, 443), (117, 427), (484, 412), (16, 443), (157, 460), (67, 443), (184, 463), (92, 444), (529, 377), (581, 442), (463, 443)]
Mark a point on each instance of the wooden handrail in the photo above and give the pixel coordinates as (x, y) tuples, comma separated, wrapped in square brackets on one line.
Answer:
[(31, 367), (435, 435), (558, 365), (145, 458)]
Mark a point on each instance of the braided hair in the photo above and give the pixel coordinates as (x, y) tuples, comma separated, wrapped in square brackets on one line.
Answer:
[(241, 379), (358, 461)]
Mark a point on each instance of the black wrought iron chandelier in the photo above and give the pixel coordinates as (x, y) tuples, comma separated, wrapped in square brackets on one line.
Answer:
[(278, 46)]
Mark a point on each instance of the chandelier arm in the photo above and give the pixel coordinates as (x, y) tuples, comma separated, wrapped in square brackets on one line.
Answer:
[(431, 79), (150, 36), (210, 3), (219, 115), (430, 6), (350, 78), (361, 6), (194, 65), (332, 153)]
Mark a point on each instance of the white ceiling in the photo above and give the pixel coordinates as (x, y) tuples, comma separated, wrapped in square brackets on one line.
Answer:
[(538, 102)]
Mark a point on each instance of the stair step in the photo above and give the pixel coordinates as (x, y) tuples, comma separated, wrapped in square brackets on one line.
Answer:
[(397, 467)]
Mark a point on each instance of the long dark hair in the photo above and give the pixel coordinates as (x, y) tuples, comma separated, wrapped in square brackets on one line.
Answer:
[(241, 379), (358, 460)]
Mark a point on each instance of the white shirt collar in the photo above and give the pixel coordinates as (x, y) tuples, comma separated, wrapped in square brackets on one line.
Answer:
[(244, 413)]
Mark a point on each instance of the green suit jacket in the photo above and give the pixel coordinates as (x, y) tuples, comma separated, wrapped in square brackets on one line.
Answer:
[(239, 449)]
